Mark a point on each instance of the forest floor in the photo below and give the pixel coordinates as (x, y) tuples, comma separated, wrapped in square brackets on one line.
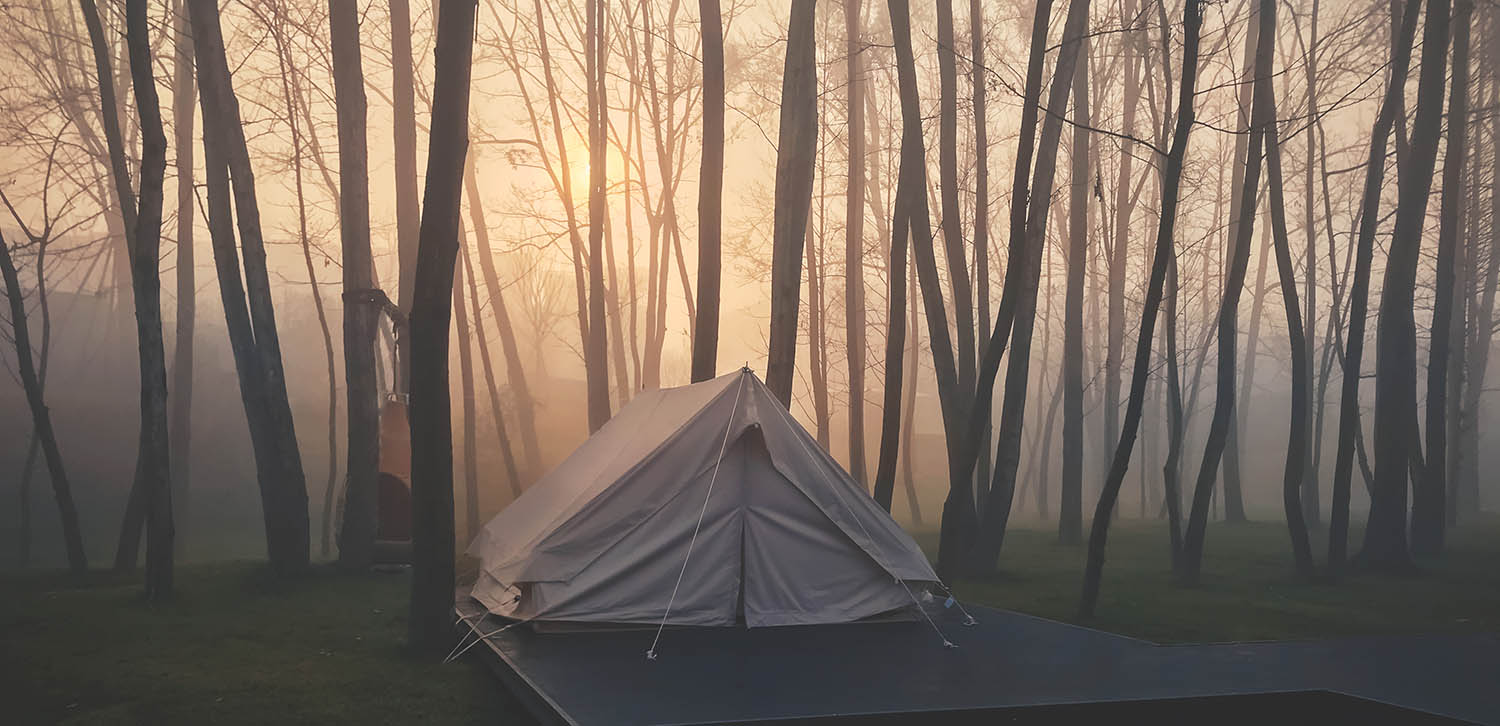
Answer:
[(237, 646)]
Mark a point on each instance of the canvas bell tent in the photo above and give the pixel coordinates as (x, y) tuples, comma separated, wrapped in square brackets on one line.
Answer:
[(700, 505)]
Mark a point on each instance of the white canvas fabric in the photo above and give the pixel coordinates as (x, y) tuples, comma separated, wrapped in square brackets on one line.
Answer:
[(786, 536)]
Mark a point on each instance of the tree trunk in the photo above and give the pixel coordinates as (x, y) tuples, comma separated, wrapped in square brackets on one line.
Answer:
[(952, 216), (978, 72), (1124, 206), (153, 465), (912, 365), (181, 414), (1359, 288), (596, 343), (1164, 258), (41, 417), (1070, 526), (1013, 404), (1234, 506), (795, 153), (253, 334), (1429, 510), (362, 466), (507, 452), (431, 616), (408, 211), (711, 192), (1228, 329), (854, 252), (1296, 453), (466, 390), (283, 54), (514, 370), (1385, 545)]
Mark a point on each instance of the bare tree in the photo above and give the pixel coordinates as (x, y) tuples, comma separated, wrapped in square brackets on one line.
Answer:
[(854, 232), (181, 414)]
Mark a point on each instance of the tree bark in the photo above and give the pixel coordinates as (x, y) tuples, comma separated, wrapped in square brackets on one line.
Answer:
[(362, 466), (1396, 436), (431, 615), (1429, 509), (795, 153), (1164, 258), (711, 193)]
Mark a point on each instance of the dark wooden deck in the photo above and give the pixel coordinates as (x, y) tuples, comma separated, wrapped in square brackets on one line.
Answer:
[(1009, 668)]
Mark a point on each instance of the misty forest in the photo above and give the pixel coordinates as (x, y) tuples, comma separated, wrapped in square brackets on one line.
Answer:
[(1169, 318)]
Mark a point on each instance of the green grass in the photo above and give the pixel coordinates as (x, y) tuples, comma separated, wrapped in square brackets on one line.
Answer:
[(236, 647), (239, 647), (1248, 590)]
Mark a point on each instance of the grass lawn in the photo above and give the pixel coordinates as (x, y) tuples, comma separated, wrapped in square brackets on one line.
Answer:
[(236, 647), (1248, 590), (240, 647)]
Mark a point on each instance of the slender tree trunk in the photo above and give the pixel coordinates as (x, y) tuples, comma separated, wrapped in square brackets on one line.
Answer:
[(253, 333), (1234, 506), (1396, 436), (596, 344), (912, 364), (711, 192), (1124, 206), (283, 53), (1429, 510), (153, 465), (431, 616), (466, 390), (1164, 258), (1359, 287), (1013, 404), (795, 153), (41, 417), (507, 452), (515, 372), (1296, 453), (180, 419), (1070, 527), (1311, 505), (958, 519), (978, 72), (854, 252), (1228, 329), (952, 215), (408, 211), (362, 466)]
